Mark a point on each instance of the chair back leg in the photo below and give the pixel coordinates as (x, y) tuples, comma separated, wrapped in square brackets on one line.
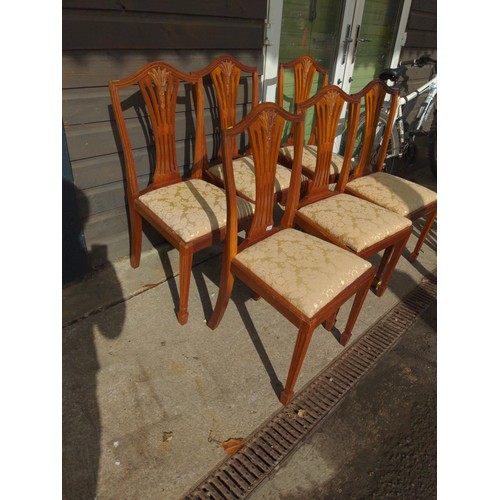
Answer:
[(388, 264), (355, 309), (431, 216), (225, 288), (135, 237)]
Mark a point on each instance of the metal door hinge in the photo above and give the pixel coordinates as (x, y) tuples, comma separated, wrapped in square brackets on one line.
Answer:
[(267, 33)]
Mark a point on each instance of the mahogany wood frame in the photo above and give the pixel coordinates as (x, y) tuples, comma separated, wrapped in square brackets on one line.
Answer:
[(328, 105), (374, 94), (158, 83), (265, 126)]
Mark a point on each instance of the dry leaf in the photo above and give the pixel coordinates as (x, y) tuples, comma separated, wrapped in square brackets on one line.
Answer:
[(231, 446)]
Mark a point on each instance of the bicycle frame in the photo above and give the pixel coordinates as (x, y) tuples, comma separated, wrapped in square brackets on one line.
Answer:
[(423, 112)]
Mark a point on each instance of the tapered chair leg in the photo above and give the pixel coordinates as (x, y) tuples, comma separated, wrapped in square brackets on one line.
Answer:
[(330, 322), (225, 289), (386, 273), (377, 280), (425, 231), (301, 344), (185, 266), (135, 238), (353, 315)]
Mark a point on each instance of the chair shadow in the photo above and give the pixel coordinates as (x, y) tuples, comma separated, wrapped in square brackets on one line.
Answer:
[(81, 415), (240, 295)]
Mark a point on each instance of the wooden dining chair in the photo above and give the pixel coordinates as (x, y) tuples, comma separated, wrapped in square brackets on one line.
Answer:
[(305, 278), (225, 73), (189, 212), (369, 182), (354, 224), (304, 70)]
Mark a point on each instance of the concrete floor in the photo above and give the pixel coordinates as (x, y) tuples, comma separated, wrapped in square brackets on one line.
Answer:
[(147, 402)]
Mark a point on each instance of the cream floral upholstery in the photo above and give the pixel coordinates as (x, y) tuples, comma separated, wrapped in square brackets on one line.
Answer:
[(192, 208), (394, 193), (309, 157), (355, 222), (244, 176), (306, 271)]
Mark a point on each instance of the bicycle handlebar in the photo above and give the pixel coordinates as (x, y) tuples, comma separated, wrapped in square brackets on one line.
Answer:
[(420, 61), (394, 74)]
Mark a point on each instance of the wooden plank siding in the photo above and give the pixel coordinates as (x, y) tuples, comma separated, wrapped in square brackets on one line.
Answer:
[(421, 38), (104, 40)]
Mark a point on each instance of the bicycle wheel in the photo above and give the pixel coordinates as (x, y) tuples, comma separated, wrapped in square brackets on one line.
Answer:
[(392, 148), (433, 145)]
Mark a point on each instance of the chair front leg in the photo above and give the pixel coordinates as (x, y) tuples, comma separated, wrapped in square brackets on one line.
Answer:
[(301, 345), (185, 266)]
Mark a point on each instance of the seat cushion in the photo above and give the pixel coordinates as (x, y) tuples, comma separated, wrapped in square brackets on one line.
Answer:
[(309, 156), (394, 193), (192, 208), (244, 176), (306, 271), (355, 222)]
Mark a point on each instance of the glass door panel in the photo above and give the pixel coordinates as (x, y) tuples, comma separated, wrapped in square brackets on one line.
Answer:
[(310, 28), (374, 41)]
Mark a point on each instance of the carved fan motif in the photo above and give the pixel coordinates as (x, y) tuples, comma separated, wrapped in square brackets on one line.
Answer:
[(226, 70), (160, 79), (268, 120)]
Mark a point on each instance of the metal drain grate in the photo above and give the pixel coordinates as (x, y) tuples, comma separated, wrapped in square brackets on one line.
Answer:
[(273, 442)]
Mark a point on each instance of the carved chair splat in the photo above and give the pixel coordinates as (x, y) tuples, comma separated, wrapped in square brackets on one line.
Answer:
[(304, 70)]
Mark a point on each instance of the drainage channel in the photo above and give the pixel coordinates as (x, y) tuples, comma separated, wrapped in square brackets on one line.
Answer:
[(273, 442)]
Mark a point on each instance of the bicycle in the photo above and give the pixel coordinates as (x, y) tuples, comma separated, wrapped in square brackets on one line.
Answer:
[(402, 141)]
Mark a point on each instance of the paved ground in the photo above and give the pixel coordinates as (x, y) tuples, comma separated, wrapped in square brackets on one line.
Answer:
[(146, 401), (380, 442)]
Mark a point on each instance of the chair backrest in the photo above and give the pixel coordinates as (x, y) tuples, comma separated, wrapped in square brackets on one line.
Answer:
[(264, 125), (225, 72), (304, 69), (328, 105), (372, 98), (159, 85)]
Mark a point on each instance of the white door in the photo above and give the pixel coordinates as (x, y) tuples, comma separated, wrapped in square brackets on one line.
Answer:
[(354, 39)]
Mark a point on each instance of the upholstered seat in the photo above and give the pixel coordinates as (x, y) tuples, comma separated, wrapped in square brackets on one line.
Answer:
[(244, 173), (306, 271), (355, 222), (394, 193), (193, 208), (309, 157)]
